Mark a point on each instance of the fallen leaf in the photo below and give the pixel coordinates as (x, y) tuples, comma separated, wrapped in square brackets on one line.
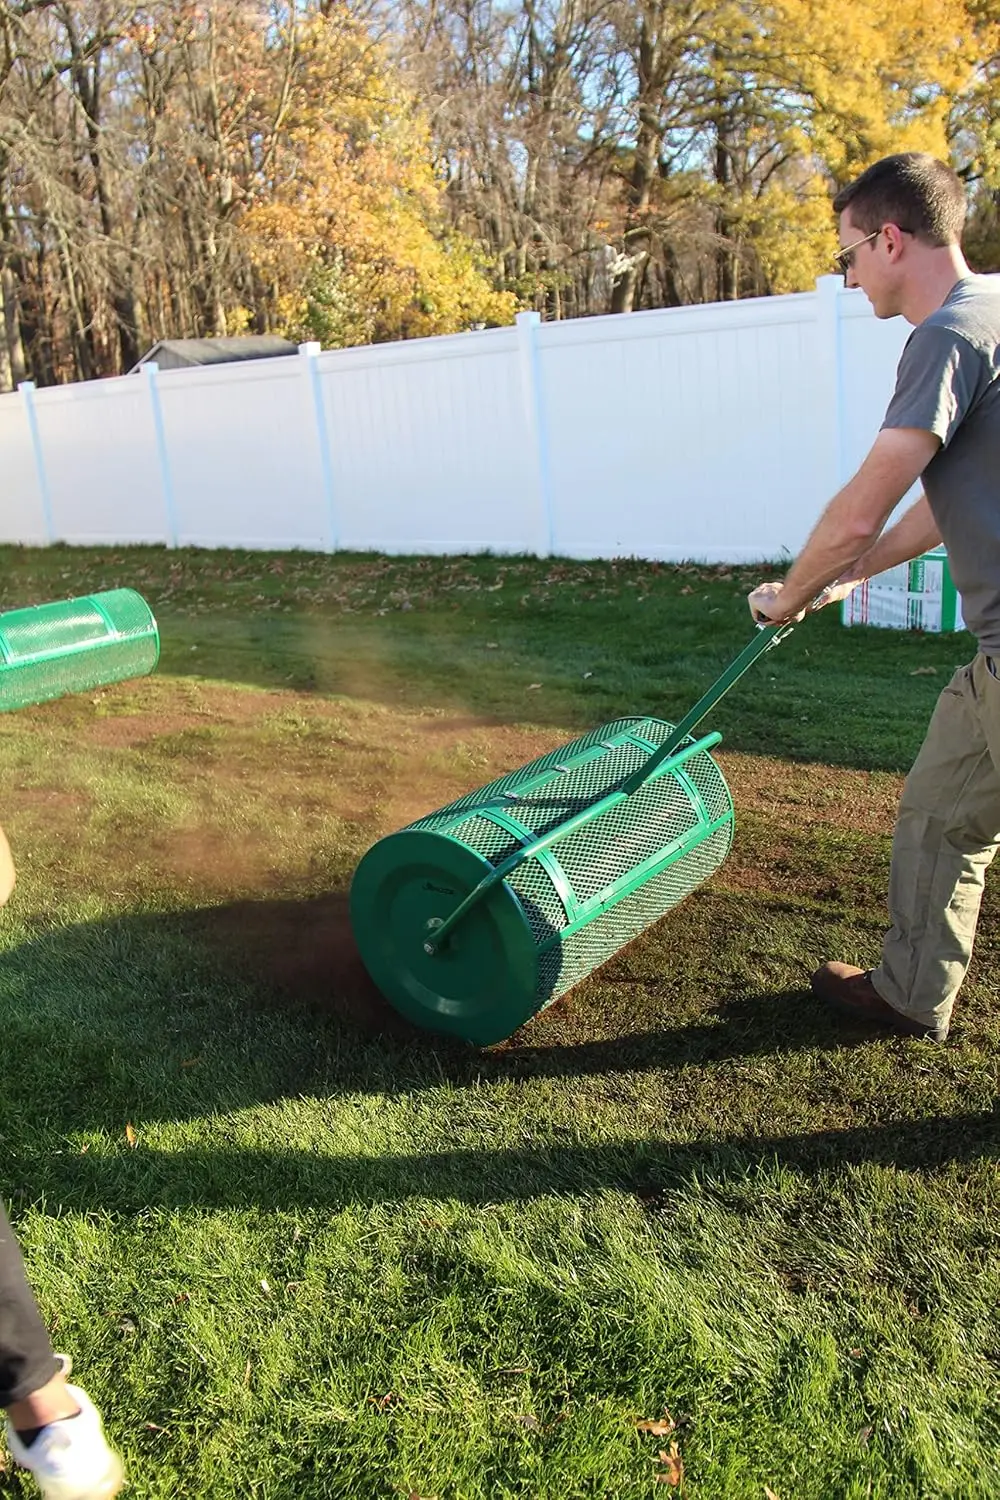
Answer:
[(264, 1286), (673, 1473), (533, 685), (924, 672), (527, 1420), (587, 674), (130, 1134), (663, 1428), (856, 1353), (492, 645), (687, 589), (769, 1493), (190, 1062)]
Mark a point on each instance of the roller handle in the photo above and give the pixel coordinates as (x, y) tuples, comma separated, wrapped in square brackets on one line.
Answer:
[(767, 637)]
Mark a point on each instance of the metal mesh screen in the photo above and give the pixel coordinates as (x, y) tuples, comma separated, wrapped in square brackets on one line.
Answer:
[(73, 646), (598, 886)]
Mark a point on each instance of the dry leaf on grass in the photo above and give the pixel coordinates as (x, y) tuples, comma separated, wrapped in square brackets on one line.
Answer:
[(663, 1428), (673, 1471), (130, 1135), (769, 1493), (924, 672), (533, 685)]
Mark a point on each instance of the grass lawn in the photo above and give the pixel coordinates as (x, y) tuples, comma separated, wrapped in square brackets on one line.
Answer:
[(681, 1235)]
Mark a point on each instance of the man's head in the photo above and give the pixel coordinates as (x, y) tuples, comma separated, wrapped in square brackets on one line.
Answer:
[(900, 229)]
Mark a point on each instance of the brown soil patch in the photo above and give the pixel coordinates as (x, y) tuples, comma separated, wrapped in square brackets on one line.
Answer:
[(302, 950), (44, 799), (796, 796), (215, 860), (437, 761), (210, 705)]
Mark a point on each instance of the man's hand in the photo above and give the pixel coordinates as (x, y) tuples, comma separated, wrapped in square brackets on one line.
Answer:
[(766, 607)]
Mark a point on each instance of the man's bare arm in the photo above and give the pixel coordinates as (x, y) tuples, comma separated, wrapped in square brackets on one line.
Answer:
[(851, 525), (915, 532)]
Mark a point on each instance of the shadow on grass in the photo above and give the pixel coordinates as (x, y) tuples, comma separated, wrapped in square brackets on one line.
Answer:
[(174, 1015), (182, 1015), (283, 1179)]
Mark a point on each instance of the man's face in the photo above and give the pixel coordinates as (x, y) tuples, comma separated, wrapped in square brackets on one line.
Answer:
[(870, 267)]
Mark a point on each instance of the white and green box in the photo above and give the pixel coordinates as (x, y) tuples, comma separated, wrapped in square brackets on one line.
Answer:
[(917, 595)]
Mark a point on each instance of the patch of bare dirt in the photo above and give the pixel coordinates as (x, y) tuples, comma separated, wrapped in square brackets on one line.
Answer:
[(304, 951), (214, 859), (795, 796), (213, 706), (437, 761), (44, 799)]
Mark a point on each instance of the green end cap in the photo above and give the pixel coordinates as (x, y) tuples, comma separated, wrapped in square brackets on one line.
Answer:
[(481, 985)]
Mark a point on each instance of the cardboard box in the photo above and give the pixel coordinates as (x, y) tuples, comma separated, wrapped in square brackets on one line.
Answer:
[(917, 595)]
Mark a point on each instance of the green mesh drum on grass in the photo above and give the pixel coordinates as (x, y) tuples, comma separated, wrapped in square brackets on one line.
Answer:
[(75, 645), (473, 919)]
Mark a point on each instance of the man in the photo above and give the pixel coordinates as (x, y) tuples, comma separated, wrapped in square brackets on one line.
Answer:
[(52, 1427), (900, 230)]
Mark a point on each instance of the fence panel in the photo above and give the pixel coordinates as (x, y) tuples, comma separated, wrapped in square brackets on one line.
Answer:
[(22, 517), (684, 434), (429, 446), (244, 455), (101, 468)]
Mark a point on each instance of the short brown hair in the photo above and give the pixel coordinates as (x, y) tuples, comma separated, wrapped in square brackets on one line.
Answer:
[(912, 189)]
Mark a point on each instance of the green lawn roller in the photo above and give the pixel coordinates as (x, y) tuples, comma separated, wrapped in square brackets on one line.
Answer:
[(74, 645), (473, 919)]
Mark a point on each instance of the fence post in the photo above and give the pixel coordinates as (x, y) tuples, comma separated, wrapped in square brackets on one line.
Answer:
[(828, 366), (309, 354), (527, 324), (150, 372), (27, 390)]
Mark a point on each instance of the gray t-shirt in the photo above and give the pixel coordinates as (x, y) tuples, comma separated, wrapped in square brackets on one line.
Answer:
[(948, 383)]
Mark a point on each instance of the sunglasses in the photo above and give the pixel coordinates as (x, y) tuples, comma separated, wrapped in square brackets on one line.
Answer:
[(844, 259)]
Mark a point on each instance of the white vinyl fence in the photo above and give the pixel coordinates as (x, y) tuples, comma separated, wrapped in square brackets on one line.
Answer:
[(714, 432)]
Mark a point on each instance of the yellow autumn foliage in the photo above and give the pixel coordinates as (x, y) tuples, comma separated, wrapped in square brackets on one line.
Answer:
[(349, 225)]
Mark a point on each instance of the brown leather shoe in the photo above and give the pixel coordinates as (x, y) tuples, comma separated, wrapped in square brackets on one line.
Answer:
[(850, 990)]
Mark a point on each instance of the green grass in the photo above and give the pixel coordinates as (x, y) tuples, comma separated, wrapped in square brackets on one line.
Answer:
[(341, 1259)]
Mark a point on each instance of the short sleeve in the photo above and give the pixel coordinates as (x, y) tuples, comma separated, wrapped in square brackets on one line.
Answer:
[(937, 383)]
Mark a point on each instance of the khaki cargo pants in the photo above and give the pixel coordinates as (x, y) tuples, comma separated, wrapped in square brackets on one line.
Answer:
[(946, 835)]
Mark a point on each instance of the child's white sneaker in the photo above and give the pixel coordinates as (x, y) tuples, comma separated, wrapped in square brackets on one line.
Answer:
[(71, 1459)]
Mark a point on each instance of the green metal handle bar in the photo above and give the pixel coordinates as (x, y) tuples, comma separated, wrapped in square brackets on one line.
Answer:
[(437, 934), (767, 636)]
